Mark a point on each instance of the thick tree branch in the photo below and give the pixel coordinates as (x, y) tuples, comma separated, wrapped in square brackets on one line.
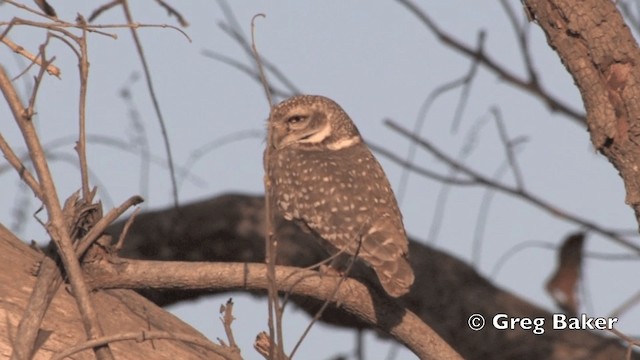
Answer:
[(375, 308), (598, 49), (446, 292)]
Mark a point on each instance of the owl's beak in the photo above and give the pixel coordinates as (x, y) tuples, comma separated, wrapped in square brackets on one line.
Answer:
[(280, 142)]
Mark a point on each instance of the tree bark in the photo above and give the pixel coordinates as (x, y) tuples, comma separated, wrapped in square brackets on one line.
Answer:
[(599, 51), (119, 311)]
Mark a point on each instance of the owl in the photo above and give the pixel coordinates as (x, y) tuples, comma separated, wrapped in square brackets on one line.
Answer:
[(323, 177)]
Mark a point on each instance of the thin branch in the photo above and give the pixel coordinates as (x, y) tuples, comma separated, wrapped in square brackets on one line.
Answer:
[(125, 230), (276, 346), (256, 54), (154, 100), (443, 195), (520, 194), (528, 85), (173, 12), (51, 69), (227, 319), (22, 171), (483, 215), (508, 147), (421, 119), (102, 224), (234, 31), (83, 69), (420, 170), (245, 69)]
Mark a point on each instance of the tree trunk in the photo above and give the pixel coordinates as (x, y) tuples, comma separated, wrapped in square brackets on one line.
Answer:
[(120, 311)]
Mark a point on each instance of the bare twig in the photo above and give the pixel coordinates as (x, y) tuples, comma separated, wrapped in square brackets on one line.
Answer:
[(140, 336), (154, 100), (276, 348), (17, 164), (173, 12), (125, 230), (508, 147), (83, 69), (227, 318), (521, 194), (263, 78), (439, 211), (318, 314), (234, 30), (529, 85), (102, 224), (51, 69), (245, 69), (465, 83)]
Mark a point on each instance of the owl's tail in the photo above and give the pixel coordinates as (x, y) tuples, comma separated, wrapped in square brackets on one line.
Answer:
[(396, 276)]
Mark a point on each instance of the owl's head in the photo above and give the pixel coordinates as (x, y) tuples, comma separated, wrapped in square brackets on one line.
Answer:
[(311, 122)]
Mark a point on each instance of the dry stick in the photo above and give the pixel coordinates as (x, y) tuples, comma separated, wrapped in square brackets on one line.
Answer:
[(508, 147), (529, 85), (227, 319), (103, 223), (275, 335), (56, 227), (125, 230), (463, 82), (522, 194), (81, 147), (631, 342), (51, 69), (47, 283), (154, 100), (140, 336), (24, 173), (173, 12), (324, 306), (523, 39)]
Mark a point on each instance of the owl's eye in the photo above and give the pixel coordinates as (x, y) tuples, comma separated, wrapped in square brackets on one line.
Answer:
[(295, 119)]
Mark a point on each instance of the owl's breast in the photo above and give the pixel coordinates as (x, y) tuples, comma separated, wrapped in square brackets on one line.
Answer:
[(336, 193)]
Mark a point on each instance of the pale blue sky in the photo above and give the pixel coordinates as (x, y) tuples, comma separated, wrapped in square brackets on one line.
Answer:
[(378, 61)]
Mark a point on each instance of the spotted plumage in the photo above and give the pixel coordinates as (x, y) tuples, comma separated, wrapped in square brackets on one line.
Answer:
[(323, 177)]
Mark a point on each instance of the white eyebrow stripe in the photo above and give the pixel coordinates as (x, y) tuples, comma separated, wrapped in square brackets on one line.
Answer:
[(344, 143), (319, 136)]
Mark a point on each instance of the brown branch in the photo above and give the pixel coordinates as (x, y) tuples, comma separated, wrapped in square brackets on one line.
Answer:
[(355, 298), (83, 69), (51, 69), (528, 85), (449, 290), (227, 319), (22, 171), (154, 100), (57, 225)]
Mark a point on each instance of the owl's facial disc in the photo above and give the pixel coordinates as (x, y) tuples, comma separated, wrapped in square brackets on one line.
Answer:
[(301, 128)]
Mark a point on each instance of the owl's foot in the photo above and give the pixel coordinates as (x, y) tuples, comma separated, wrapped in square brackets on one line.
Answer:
[(329, 271)]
